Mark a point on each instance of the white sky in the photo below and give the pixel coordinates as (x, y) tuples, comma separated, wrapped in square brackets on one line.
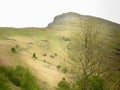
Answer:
[(38, 13)]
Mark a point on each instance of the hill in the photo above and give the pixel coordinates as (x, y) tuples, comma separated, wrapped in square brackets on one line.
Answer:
[(71, 20), (49, 45)]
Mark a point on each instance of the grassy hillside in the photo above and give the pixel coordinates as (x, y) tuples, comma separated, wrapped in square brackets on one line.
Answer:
[(43, 50), (45, 43)]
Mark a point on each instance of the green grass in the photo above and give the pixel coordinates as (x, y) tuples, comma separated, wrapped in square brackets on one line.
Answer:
[(4, 83)]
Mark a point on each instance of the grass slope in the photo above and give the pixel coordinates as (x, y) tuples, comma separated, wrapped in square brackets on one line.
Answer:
[(49, 44)]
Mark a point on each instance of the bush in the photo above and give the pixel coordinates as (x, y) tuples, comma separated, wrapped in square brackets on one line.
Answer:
[(16, 74), (28, 81), (63, 85), (13, 49), (64, 70), (3, 84), (45, 54), (93, 83), (51, 56), (19, 76), (34, 56), (58, 67), (44, 60), (66, 39), (55, 54)]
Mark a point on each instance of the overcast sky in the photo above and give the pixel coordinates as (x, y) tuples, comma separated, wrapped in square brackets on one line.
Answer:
[(38, 13)]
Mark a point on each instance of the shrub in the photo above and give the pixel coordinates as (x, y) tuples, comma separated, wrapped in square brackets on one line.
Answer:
[(58, 67), (3, 84), (64, 70), (13, 49), (45, 54), (72, 71), (28, 81), (19, 76), (63, 85), (92, 82), (15, 80), (55, 54), (34, 56), (16, 74), (44, 60)]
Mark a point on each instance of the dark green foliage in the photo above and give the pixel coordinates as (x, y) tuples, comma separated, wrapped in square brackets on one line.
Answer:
[(20, 77), (13, 49), (15, 75), (28, 81), (93, 83), (4, 84), (63, 85), (34, 56)]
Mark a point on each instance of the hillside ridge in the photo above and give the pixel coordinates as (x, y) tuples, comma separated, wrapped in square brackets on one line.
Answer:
[(73, 18)]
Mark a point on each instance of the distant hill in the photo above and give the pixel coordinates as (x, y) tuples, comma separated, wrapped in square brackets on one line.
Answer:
[(73, 20)]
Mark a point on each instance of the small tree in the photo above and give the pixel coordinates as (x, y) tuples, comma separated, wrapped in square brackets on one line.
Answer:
[(13, 49), (34, 56)]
